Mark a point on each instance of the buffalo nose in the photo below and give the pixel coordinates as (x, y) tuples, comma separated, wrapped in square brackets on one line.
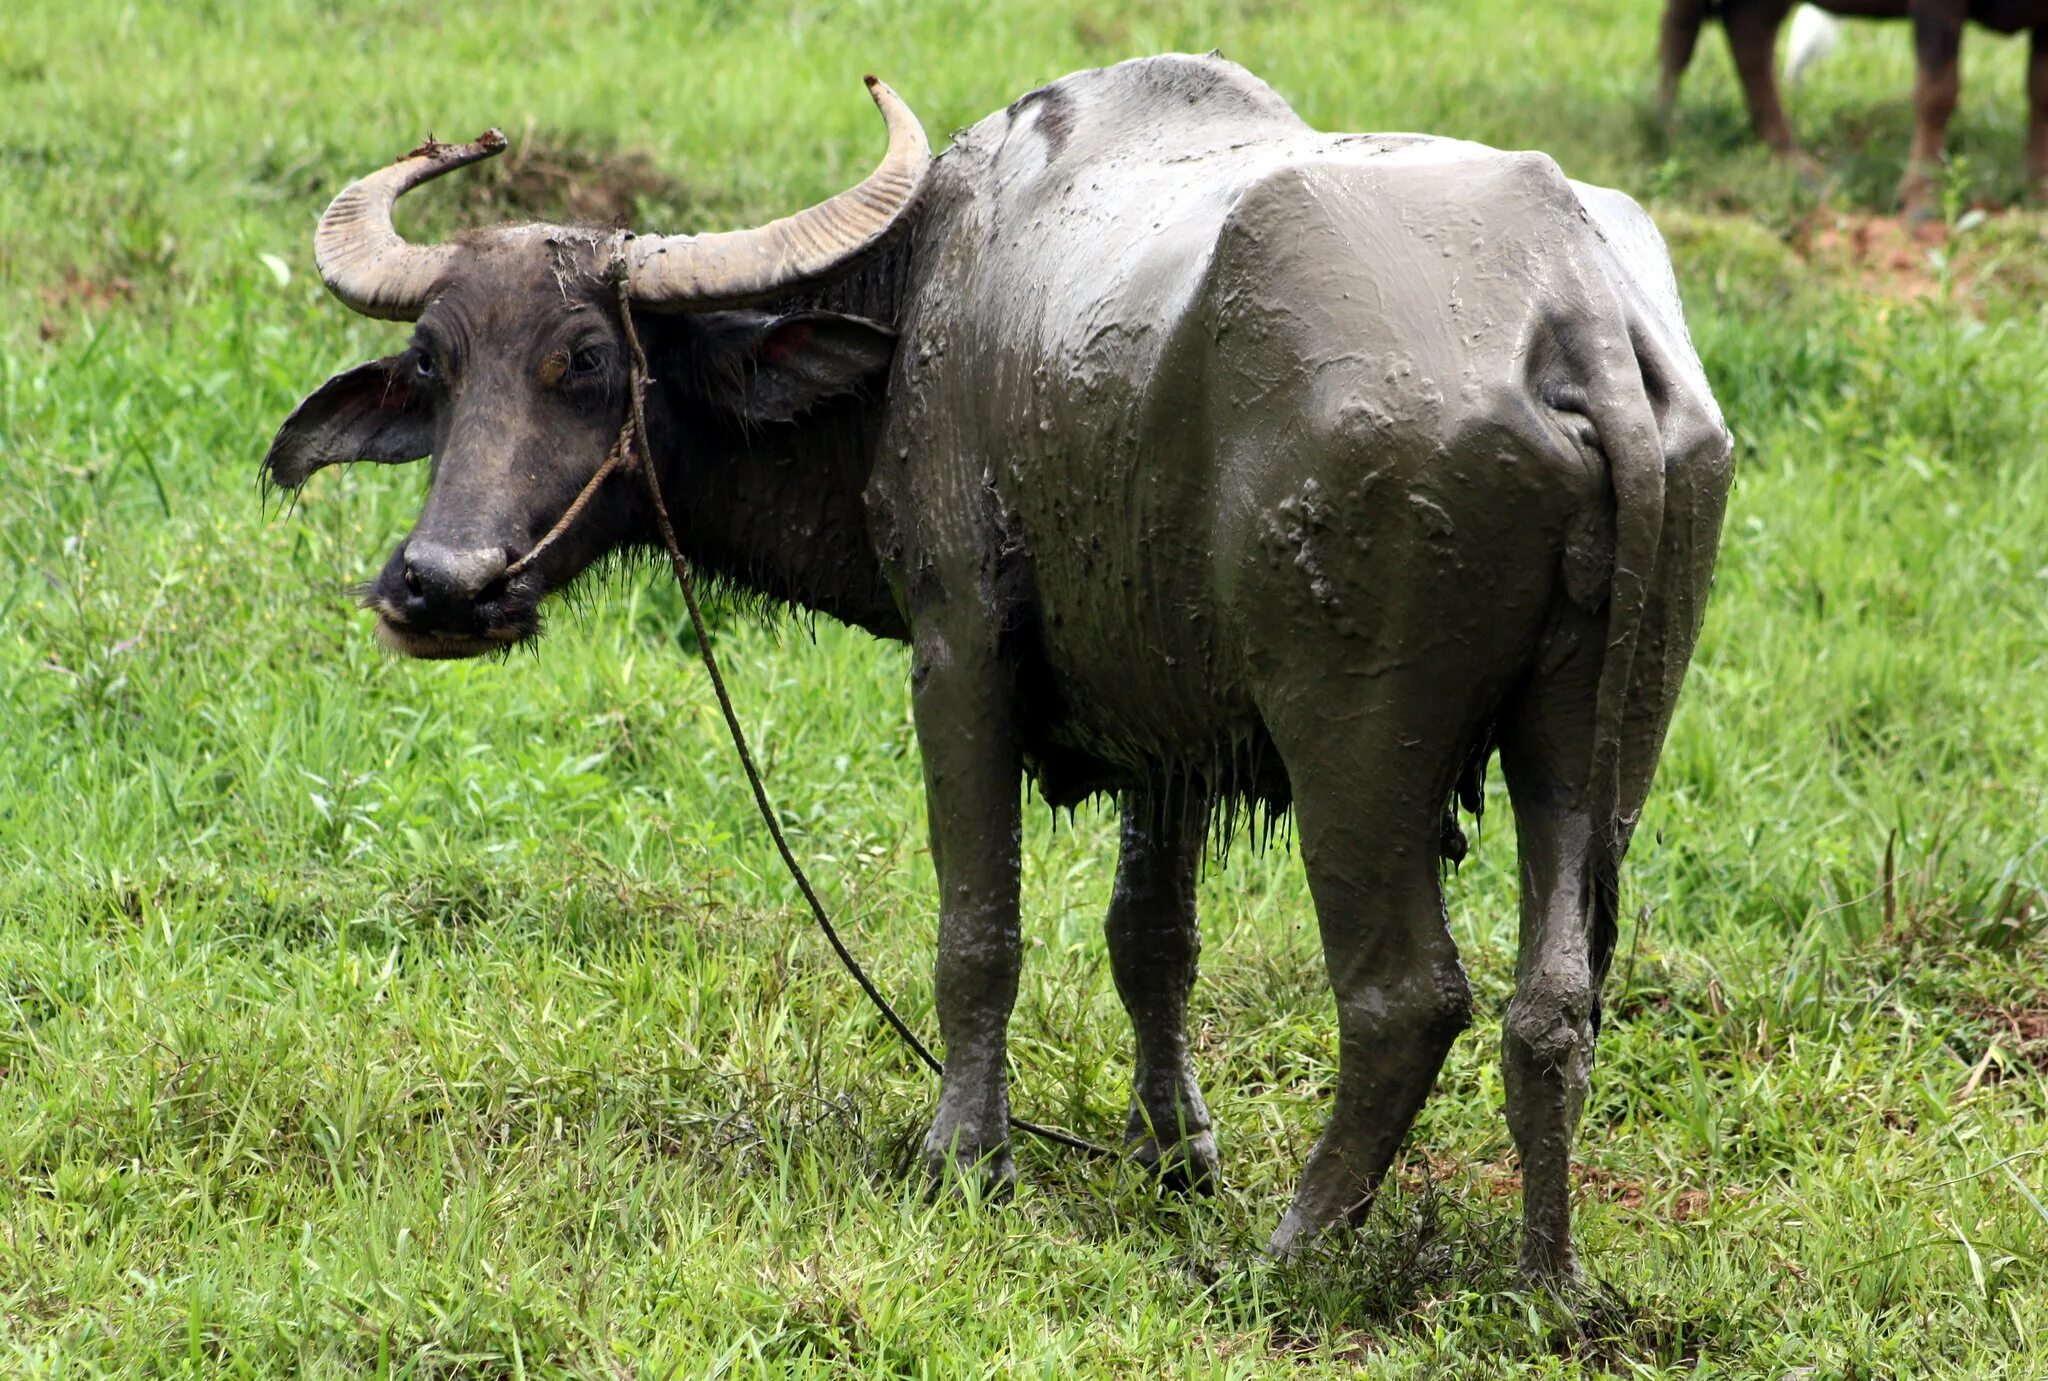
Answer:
[(438, 577)]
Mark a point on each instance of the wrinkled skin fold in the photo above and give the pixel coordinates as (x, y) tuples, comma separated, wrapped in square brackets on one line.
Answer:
[(1201, 459)]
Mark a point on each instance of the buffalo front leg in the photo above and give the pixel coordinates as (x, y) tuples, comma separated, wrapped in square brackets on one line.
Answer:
[(1154, 941), (972, 779), (1937, 81)]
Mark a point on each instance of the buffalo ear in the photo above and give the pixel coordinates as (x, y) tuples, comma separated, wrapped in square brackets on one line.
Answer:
[(371, 412), (788, 364)]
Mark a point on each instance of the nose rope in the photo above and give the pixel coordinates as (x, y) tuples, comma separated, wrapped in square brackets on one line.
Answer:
[(630, 452)]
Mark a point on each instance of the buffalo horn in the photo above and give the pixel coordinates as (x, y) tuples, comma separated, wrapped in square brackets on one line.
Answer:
[(365, 261), (738, 267)]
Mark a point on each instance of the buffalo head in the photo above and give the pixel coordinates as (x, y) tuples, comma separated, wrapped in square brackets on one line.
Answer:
[(516, 378)]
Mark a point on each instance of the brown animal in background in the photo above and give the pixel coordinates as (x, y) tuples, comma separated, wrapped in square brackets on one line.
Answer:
[(1752, 27)]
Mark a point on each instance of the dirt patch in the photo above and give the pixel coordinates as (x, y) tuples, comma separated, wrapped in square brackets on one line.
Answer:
[(1590, 1182), (1893, 258), (1889, 256), (543, 177), (78, 290), (1096, 33), (2019, 1033), (1348, 1347)]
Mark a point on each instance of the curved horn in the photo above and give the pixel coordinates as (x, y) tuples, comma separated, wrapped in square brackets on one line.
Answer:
[(363, 260), (737, 267)]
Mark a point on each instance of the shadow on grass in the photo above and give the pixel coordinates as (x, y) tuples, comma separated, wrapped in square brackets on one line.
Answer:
[(1430, 1260)]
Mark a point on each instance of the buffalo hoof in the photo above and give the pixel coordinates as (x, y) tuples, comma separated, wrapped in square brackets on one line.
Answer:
[(955, 1168), (1297, 1233), (1539, 1272), (1187, 1166)]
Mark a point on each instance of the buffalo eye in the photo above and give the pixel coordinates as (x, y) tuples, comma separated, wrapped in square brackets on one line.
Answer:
[(586, 360), (424, 369)]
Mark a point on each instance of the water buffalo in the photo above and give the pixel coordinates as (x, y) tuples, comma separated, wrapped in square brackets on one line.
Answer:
[(1752, 29), (1201, 459)]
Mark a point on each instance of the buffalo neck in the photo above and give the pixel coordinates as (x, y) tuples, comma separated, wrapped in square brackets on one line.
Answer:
[(777, 510), (774, 510)]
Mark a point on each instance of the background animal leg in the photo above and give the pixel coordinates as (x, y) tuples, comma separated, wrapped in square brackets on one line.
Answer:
[(972, 776), (1676, 40), (2037, 114), (1752, 29), (1370, 815), (1154, 941), (1937, 46)]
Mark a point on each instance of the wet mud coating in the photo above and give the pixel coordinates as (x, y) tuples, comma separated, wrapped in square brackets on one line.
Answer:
[(1203, 460)]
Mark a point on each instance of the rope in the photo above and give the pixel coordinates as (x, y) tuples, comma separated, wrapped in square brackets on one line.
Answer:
[(629, 450), (622, 446)]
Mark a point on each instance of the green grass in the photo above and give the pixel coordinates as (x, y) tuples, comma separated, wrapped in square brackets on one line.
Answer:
[(368, 1017)]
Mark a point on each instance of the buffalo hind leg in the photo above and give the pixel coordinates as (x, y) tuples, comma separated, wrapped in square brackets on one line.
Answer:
[(972, 790), (1567, 940), (1154, 941), (1369, 790)]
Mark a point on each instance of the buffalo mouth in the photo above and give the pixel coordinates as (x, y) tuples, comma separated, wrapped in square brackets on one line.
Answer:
[(492, 625), (435, 645)]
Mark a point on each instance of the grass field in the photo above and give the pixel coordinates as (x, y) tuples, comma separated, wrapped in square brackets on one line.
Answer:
[(364, 1017)]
